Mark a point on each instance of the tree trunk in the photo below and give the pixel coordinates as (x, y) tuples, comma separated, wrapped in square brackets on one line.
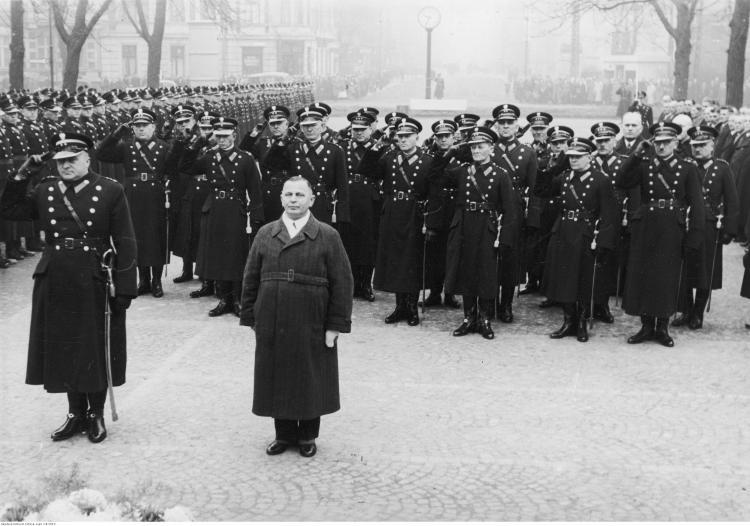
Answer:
[(736, 53), (155, 45), (683, 46), (72, 65), (17, 49)]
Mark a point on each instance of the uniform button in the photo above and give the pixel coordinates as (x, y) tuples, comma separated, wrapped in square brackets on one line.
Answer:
[(85, 248), (51, 209), (92, 210), (95, 198), (53, 221), (56, 234), (50, 198)]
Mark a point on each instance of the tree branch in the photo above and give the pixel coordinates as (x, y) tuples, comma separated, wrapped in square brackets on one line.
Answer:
[(138, 28), (60, 21), (664, 20), (142, 19), (97, 15)]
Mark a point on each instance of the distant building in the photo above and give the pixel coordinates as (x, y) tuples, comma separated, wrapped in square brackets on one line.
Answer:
[(205, 41)]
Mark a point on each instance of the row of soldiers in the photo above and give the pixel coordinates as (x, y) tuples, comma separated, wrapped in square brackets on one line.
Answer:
[(472, 212), (30, 122)]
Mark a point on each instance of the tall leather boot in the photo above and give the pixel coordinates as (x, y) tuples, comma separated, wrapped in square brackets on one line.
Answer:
[(144, 280), (647, 330), (367, 292), (187, 272), (696, 317), (582, 333), (357, 275), (433, 299), (470, 317), (569, 325), (505, 309), (399, 313), (412, 311), (661, 334), (156, 289), (602, 312), (207, 289), (483, 322)]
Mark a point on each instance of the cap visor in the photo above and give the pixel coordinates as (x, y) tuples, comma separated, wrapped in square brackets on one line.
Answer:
[(64, 155), (575, 153)]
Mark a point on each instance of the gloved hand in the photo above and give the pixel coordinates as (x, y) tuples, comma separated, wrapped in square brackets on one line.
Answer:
[(643, 149), (331, 339), (430, 235), (726, 238), (121, 130), (119, 304)]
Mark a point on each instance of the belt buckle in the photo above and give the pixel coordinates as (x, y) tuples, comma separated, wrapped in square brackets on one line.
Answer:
[(68, 243), (662, 203), (222, 194), (400, 195), (357, 178), (144, 177), (274, 181), (571, 214), (290, 274), (472, 205)]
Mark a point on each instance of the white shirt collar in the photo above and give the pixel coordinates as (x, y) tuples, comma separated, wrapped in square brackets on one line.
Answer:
[(293, 226)]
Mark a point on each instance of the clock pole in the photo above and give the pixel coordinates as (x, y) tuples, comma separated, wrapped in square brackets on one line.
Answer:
[(428, 73)]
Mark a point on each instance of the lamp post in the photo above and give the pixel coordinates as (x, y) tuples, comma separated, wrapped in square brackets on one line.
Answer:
[(428, 18)]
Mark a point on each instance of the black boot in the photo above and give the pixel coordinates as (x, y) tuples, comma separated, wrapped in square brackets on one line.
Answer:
[(505, 308), (207, 289), (685, 307), (367, 292), (156, 289), (412, 312), (568, 327), (74, 424), (582, 333), (433, 299), (144, 280), (483, 323), (682, 319), (470, 317), (696, 317), (225, 306), (646, 333), (399, 313), (661, 334), (602, 313), (187, 272), (96, 429), (357, 275)]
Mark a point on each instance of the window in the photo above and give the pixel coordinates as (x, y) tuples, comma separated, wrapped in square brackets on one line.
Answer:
[(177, 61), (286, 13), (252, 60), (253, 13), (176, 11), (129, 60)]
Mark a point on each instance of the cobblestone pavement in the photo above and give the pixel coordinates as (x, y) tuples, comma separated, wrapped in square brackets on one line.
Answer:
[(431, 428)]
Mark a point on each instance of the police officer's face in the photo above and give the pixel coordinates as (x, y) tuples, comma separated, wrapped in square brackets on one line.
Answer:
[(74, 113), (480, 152), (296, 198), (444, 140), (278, 128), (100, 109), (506, 128), (206, 131), (605, 146), (51, 115), (30, 114), (361, 134), (72, 168), (312, 130), (143, 131), (225, 142), (665, 149), (703, 151), (539, 134), (406, 141), (86, 112), (579, 162), (558, 146), (10, 118)]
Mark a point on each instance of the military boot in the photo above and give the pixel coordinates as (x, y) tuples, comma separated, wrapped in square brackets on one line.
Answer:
[(470, 317), (661, 334), (399, 313), (144, 280), (568, 328), (484, 327), (412, 311), (582, 333), (646, 333)]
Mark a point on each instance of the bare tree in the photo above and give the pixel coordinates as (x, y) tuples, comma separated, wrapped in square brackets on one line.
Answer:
[(75, 37), (736, 52), (153, 39), (17, 48)]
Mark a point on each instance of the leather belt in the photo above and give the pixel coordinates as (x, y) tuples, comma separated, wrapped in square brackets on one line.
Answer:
[(201, 177), (662, 203), (358, 178), (403, 196), (143, 177), (571, 215), (226, 194), (75, 243), (475, 206), (294, 277)]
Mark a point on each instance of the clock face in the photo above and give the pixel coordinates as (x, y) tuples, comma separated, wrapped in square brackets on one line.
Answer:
[(429, 17)]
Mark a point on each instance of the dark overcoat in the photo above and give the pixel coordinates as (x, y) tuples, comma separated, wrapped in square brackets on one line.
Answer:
[(195, 191), (274, 159), (66, 340), (472, 258), (670, 220), (588, 211), (324, 165), (145, 168), (294, 290), (398, 266), (233, 202)]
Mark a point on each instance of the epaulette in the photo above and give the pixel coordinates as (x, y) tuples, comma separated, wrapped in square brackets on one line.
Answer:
[(719, 160), (111, 179), (690, 160), (48, 178)]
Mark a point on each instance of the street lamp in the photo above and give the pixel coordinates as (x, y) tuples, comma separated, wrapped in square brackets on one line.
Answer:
[(428, 18)]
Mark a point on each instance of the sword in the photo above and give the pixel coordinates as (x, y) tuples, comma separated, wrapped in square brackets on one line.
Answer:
[(713, 261), (424, 257), (107, 258), (167, 206), (593, 276)]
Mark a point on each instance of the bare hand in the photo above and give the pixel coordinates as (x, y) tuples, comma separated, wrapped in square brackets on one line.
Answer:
[(331, 338)]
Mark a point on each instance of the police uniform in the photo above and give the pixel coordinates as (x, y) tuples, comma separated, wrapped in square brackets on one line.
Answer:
[(583, 236), (398, 266), (71, 122), (232, 212), (669, 221), (481, 224), (721, 211), (521, 164), (145, 164), (66, 343)]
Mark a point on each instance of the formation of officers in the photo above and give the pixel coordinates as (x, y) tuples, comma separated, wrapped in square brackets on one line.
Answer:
[(471, 211)]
